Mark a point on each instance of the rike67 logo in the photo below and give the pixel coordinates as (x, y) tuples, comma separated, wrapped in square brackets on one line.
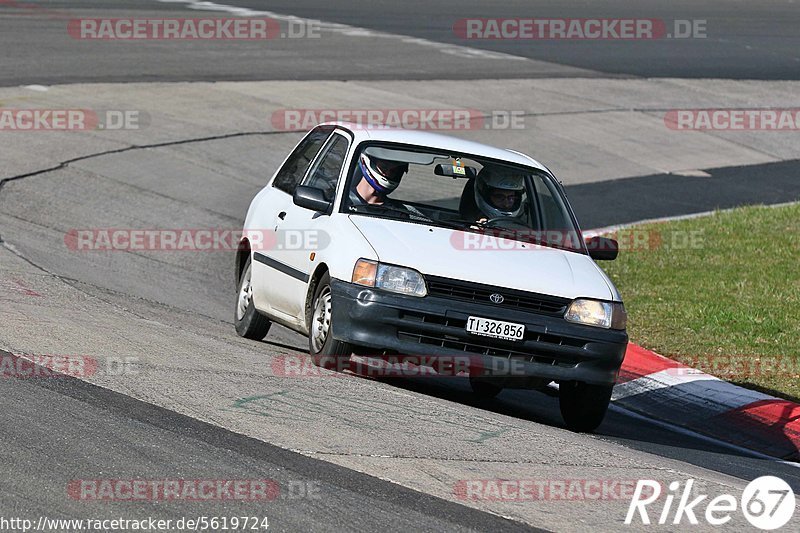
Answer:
[(767, 502)]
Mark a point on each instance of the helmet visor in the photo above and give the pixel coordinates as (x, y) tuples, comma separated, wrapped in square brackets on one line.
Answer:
[(391, 170), (504, 199)]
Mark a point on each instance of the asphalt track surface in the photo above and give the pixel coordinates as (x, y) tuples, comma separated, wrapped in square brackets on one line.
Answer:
[(755, 40), (70, 430), (662, 195), (106, 430), (745, 40), (60, 429)]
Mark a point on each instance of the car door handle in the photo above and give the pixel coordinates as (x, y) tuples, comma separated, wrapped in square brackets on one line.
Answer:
[(282, 215)]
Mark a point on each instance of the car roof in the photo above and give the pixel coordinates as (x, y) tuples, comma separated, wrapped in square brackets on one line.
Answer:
[(436, 141)]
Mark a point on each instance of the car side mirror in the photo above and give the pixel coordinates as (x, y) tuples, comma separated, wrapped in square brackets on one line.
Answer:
[(311, 198), (602, 248)]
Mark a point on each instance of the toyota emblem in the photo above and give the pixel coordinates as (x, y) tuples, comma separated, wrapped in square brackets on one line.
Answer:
[(496, 298)]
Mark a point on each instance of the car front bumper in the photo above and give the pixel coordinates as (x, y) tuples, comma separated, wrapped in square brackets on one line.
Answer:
[(434, 327)]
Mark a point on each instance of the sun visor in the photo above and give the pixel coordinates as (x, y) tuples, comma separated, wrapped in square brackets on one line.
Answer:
[(388, 154)]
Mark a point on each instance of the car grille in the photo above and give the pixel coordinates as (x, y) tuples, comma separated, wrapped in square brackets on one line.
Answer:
[(514, 299), (484, 346)]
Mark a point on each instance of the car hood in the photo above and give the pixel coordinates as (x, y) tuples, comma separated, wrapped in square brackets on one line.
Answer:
[(436, 251)]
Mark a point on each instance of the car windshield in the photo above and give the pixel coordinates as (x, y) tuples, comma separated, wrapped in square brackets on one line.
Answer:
[(461, 192)]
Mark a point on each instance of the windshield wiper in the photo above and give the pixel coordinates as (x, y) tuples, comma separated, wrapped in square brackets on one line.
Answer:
[(529, 236), (367, 208), (460, 223)]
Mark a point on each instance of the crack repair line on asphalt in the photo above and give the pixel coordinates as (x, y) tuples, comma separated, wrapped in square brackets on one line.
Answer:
[(65, 164)]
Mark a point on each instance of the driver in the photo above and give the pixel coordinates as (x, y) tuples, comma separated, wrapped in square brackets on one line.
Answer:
[(500, 194)]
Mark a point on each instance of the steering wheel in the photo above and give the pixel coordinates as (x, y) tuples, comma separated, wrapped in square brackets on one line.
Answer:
[(513, 222)]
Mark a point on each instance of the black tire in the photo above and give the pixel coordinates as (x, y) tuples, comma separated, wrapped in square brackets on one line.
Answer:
[(583, 406), (325, 351), (485, 390), (249, 323)]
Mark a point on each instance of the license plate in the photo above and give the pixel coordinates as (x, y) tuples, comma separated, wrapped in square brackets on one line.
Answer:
[(495, 328)]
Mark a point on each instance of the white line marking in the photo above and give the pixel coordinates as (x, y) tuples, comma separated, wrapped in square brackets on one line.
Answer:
[(691, 173), (688, 432), (722, 394), (625, 390), (662, 379), (612, 229), (699, 436), (350, 31)]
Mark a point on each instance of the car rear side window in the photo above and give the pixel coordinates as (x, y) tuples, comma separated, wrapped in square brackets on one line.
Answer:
[(293, 170), (325, 174)]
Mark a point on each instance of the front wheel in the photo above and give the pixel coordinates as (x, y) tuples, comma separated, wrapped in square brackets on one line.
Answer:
[(583, 406), (249, 323), (325, 351)]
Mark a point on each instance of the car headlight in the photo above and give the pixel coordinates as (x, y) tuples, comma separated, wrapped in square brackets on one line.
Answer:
[(609, 315), (389, 278)]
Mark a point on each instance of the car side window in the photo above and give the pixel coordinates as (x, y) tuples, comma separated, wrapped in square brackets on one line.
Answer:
[(295, 167), (326, 171)]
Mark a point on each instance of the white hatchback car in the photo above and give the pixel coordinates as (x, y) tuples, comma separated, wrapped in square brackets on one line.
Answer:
[(388, 242)]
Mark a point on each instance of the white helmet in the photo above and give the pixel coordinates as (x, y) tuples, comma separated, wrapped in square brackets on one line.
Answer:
[(494, 181), (382, 174)]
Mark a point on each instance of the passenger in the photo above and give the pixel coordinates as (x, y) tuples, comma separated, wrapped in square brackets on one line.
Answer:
[(379, 178)]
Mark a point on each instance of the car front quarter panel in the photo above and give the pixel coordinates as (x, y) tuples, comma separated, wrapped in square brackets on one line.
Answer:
[(346, 245)]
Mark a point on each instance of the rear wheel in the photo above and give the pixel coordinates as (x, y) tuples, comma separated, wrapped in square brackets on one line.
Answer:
[(325, 351), (583, 406), (249, 323)]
